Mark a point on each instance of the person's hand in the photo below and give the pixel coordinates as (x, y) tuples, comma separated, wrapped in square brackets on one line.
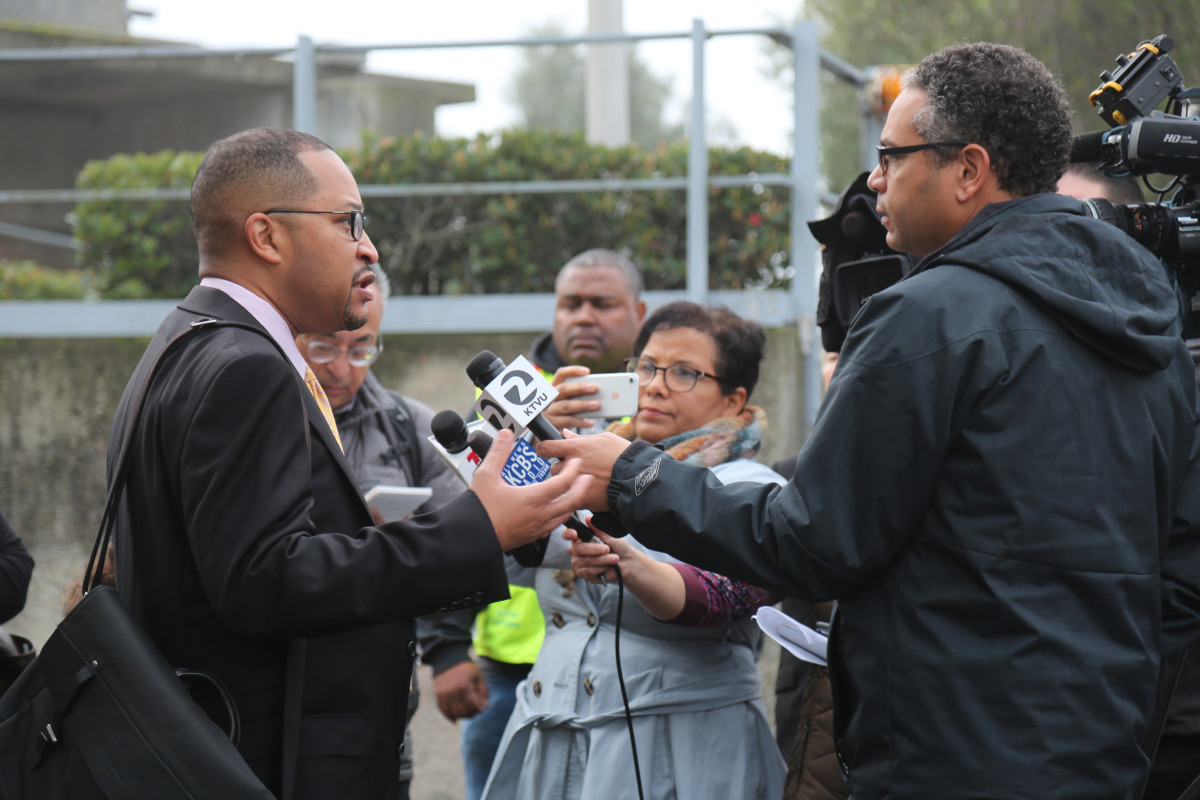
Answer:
[(658, 587), (461, 691), (596, 561), (523, 514), (827, 368), (596, 456), (573, 399)]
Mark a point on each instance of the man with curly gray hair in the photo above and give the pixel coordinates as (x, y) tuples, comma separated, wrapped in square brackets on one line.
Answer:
[(992, 110), (990, 486)]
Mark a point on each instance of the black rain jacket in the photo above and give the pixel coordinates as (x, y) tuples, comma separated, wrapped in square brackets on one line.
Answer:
[(988, 491)]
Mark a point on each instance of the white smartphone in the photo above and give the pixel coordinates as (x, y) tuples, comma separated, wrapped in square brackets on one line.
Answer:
[(396, 502), (618, 394)]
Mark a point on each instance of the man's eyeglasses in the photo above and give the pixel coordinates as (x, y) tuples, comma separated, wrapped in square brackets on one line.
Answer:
[(886, 153), (358, 220), (363, 355), (677, 377)]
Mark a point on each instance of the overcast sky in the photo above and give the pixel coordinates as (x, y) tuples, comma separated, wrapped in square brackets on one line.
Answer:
[(738, 91)]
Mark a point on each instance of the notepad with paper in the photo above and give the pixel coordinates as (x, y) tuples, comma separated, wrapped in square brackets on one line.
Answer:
[(397, 502)]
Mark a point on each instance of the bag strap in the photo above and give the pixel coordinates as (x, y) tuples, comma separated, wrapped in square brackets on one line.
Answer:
[(293, 695), (95, 567), (294, 681), (401, 417)]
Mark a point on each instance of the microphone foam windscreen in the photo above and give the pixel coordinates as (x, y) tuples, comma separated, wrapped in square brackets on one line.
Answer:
[(449, 429), (480, 365)]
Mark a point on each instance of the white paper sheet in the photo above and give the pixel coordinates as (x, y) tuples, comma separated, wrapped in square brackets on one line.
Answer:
[(796, 637)]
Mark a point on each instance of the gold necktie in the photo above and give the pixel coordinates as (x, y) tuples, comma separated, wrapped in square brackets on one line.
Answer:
[(314, 386)]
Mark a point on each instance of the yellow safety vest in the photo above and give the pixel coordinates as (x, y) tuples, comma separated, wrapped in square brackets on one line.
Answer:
[(511, 630)]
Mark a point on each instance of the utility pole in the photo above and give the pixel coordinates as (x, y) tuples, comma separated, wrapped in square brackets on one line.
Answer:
[(607, 107)]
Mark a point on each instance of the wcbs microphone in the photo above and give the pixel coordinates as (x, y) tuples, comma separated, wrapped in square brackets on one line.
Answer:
[(525, 467), (519, 470)]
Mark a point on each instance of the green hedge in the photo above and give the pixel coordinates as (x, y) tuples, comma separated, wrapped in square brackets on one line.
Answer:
[(25, 280), (140, 248), (472, 244)]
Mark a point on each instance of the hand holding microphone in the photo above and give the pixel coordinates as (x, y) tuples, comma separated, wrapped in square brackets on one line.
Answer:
[(524, 514), (515, 397), (525, 467), (463, 447)]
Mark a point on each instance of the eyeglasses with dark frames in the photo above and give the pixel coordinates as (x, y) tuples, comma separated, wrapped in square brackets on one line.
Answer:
[(358, 220), (885, 153), (321, 352), (677, 377)]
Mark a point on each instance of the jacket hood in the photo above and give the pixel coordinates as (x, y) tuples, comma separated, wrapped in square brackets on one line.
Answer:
[(1105, 289), (544, 355)]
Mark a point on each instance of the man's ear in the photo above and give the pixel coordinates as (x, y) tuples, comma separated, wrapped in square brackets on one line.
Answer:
[(265, 237), (974, 170)]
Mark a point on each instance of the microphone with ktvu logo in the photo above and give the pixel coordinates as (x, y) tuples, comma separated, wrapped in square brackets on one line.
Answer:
[(514, 398)]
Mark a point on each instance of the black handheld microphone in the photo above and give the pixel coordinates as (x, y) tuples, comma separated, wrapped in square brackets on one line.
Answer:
[(450, 431), (484, 368), (449, 440), (480, 442)]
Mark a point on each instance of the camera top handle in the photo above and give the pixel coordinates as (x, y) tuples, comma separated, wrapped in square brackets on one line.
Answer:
[(1141, 81)]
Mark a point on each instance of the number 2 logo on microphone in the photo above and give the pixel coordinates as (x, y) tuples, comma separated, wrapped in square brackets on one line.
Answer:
[(521, 390), (515, 397), (515, 383), (524, 392)]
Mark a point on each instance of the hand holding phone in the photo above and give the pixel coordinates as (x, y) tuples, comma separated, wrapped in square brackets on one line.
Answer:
[(584, 397), (616, 393)]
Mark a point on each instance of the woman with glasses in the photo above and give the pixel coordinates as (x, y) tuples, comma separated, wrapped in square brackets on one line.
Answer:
[(688, 646)]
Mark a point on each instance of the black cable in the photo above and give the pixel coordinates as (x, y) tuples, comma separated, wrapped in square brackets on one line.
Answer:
[(637, 772)]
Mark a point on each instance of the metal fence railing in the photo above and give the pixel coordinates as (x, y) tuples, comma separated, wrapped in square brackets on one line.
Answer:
[(447, 314)]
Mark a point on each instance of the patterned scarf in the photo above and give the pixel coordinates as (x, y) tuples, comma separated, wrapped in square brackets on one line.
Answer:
[(724, 439)]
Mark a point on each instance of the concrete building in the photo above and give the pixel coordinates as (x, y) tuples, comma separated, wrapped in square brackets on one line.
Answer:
[(58, 114)]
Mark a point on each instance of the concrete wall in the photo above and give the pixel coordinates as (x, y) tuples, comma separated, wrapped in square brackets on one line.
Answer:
[(100, 15), (59, 396)]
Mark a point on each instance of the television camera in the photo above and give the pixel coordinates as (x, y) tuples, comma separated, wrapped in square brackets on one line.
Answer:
[(856, 261), (1144, 141)]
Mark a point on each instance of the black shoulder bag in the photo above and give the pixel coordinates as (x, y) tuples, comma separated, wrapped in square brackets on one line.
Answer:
[(101, 714)]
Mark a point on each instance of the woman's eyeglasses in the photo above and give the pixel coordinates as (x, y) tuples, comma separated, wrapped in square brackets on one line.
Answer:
[(678, 377)]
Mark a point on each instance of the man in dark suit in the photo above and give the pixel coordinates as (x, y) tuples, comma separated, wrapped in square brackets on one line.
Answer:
[(244, 545)]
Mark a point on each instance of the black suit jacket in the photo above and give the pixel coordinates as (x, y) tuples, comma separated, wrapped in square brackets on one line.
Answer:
[(239, 532)]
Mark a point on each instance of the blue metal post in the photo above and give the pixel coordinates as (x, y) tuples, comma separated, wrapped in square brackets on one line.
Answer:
[(697, 193), (805, 153)]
